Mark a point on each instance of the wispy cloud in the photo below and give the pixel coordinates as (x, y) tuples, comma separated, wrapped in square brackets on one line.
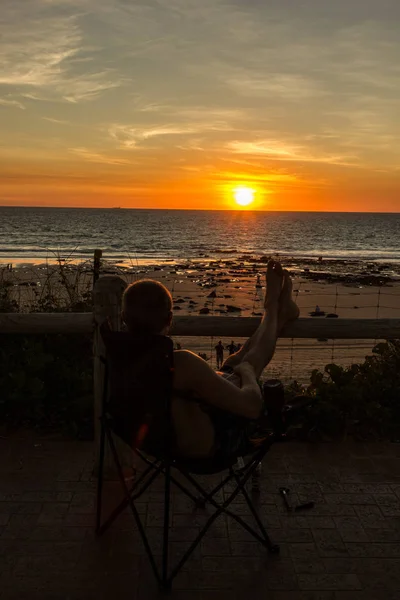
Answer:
[(292, 87), (130, 137), (40, 51), (57, 121), (280, 151), (97, 157), (11, 103)]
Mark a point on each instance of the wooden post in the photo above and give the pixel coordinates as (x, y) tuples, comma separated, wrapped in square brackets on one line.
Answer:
[(107, 298), (96, 265)]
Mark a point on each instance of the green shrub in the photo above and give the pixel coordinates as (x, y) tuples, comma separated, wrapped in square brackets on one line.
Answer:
[(363, 399), (46, 381)]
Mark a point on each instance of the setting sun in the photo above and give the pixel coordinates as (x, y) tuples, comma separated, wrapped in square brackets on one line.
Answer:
[(243, 195)]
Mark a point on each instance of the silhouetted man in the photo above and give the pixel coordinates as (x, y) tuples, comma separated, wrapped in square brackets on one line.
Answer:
[(231, 348), (203, 398), (219, 350)]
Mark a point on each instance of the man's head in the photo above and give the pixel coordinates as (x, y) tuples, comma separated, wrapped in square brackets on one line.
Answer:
[(147, 307)]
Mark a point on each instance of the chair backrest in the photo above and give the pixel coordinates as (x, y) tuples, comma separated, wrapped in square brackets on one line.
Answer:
[(140, 380)]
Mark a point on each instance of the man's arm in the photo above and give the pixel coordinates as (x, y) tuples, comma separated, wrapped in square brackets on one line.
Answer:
[(194, 375)]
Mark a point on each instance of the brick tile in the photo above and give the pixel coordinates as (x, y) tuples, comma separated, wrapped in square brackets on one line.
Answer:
[(381, 575), (83, 503), (216, 595), (387, 499), (301, 478), (42, 564), (303, 551), (329, 542), (390, 534), (19, 527), (351, 499), (198, 520), (309, 565), (74, 486), (347, 522), (350, 529), (215, 547), (328, 581), (366, 595), (21, 508), (269, 521), (315, 522), (338, 510), (375, 477), (241, 548), (341, 565), (382, 550), (205, 580), (155, 515), (4, 518), (302, 595), (331, 487), (77, 520), (350, 538), (387, 465), (232, 564), (390, 511), (366, 488), (285, 581), (37, 496), (184, 534), (291, 535), (370, 516)]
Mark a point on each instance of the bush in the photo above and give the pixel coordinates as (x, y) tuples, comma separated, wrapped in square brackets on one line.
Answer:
[(363, 399), (46, 381)]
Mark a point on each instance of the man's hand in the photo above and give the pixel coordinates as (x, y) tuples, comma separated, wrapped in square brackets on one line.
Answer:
[(196, 377)]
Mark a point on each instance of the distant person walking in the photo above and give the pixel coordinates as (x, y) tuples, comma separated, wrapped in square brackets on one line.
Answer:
[(219, 351), (231, 348)]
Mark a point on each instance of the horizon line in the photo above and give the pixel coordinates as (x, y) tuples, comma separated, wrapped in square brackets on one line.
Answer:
[(237, 210)]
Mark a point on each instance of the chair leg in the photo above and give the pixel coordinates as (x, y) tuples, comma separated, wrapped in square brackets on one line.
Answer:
[(273, 548), (100, 476), (131, 502), (166, 582), (255, 480)]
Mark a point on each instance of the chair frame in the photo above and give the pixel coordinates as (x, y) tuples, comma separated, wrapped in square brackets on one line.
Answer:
[(159, 466)]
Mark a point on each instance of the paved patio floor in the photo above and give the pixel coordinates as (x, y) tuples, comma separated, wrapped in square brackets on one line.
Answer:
[(346, 548)]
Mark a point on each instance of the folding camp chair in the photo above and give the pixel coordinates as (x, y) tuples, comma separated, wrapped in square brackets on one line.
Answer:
[(136, 408)]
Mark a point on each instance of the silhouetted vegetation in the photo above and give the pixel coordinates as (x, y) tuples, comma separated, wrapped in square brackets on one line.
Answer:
[(362, 400)]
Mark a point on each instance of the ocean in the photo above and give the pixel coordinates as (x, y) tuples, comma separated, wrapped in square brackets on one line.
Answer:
[(34, 235)]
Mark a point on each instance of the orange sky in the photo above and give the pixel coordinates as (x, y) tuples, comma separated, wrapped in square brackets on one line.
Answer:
[(171, 104)]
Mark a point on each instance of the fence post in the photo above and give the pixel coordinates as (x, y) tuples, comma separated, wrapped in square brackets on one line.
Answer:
[(96, 265), (107, 297)]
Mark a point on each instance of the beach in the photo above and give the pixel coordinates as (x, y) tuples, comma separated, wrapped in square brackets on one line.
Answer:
[(236, 287)]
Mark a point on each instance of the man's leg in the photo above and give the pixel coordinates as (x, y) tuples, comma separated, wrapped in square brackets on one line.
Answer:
[(274, 280), (280, 309)]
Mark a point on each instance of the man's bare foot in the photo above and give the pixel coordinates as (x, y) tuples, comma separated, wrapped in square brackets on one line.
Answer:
[(274, 281), (288, 309)]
